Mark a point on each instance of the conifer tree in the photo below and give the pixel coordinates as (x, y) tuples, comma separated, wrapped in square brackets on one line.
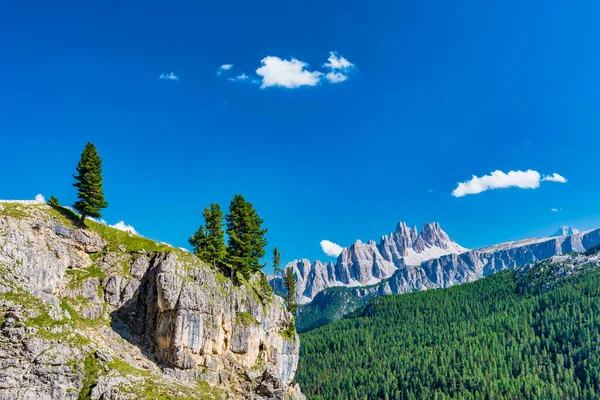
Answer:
[(246, 245), (209, 241), (276, 262), (89, 184), (289, 280)]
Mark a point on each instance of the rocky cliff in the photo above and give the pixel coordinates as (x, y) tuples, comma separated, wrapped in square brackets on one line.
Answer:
[(104, 314), (369, 263)]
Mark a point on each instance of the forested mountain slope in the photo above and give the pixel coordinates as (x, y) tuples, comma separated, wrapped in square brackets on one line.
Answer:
[(531, 333)]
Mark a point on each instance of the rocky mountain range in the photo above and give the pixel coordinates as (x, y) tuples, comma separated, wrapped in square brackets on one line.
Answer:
[(369, 263), (102, 314), (407, 260), (456, 267)]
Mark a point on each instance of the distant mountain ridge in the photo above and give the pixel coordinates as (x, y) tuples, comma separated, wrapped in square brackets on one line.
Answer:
[(369, 263), (445, 271), (411, 261)]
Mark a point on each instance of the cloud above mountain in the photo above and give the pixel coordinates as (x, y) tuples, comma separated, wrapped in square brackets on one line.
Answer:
[(330, 248), (529, 179)]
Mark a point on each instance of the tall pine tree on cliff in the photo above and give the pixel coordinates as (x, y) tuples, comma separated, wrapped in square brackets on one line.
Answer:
[(89, 184), (247, 241), (209, 241)]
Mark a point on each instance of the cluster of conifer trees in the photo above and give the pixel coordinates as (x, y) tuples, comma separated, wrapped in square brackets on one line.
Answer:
[(246, 240), (483, 340)]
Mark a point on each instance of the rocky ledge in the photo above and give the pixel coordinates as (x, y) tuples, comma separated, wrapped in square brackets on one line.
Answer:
[(104, 314)]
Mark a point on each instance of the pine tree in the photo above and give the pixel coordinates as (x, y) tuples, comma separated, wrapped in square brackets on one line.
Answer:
[(246, 245), (89, 184), (209, 240), (289, 280), (276, 261)]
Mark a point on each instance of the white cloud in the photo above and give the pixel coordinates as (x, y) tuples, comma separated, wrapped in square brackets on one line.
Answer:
[(337, 62), (286, 73), (294, 73), (529, 179), (330, 248), (122, 226), (554, 209), (241, 77), (40, 198), (169, 77), (555, 178), (224, 67), (335, 77)]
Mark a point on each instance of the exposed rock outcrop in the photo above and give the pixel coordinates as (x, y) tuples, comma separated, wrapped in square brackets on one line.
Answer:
[(369, 263), (116, 316)]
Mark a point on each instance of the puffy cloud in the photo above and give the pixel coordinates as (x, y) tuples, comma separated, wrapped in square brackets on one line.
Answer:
[(286, 73), (554, 209), (122, 226), (330, 248), (555, 178), (337, 62), (529, 179), (169, 77), (335, 77), (40, 198), (294, 73)]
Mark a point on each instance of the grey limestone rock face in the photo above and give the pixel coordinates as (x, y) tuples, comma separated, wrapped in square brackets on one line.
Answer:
[(173, 314)]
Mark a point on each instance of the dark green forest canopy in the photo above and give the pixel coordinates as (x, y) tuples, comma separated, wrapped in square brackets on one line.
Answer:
[(504, 336)]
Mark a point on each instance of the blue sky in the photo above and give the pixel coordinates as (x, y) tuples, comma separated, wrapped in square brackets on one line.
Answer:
[(438, 92)]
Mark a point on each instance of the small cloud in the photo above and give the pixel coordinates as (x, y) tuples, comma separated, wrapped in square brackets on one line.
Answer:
[(241, 77), (330, 248), (169, 77), (338, 62), (554, 209), (286, 73), (335, 77), (430, 190), (224, 67), (122, 226), (40, 198), (184, 249), (555, 178)]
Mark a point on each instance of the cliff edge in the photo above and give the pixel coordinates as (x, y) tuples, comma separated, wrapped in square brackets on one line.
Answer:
[(99, 313)]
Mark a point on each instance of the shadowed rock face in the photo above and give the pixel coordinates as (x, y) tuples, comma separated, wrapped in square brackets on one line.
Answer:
[(178, 317), (369, 263)]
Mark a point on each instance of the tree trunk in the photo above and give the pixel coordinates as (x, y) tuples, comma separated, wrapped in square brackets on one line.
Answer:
[(82, 221)]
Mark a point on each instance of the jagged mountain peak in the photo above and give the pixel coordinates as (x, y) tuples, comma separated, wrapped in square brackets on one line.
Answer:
[(565, 230)]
